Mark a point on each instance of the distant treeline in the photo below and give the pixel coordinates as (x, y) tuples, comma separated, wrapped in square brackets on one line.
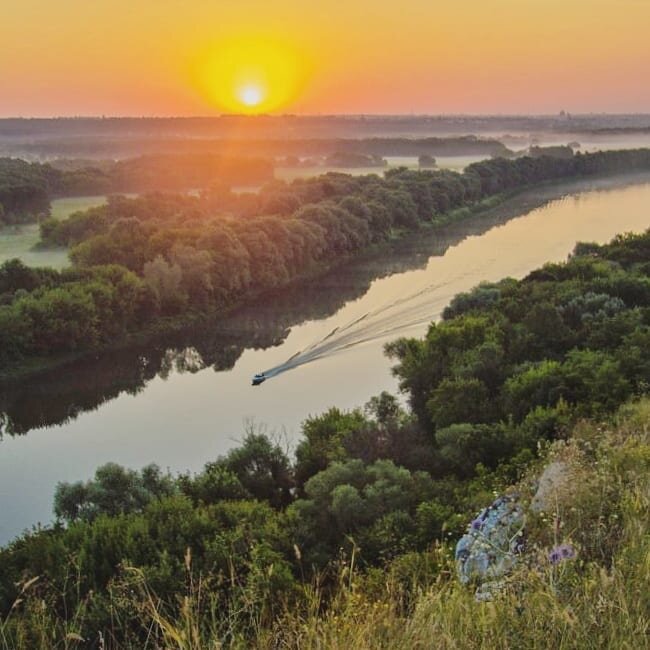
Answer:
[(448, 146), (50, 130), (137, 260), (26, 188), (557, 151), (132, 144), (353, 159)]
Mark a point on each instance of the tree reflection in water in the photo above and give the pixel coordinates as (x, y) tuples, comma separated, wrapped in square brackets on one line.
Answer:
[(58, 396)]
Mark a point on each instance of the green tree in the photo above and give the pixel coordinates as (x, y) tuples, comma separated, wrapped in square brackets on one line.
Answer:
[(460, 400), (165, 280), (262, 468), (114, 490), (323, 442)]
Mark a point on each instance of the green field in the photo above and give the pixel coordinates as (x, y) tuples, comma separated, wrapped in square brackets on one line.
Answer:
[(19, 241), (61, 208)]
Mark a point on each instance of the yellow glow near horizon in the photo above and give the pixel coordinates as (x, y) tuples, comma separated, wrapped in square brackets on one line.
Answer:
[(252, 75), (190, 57)]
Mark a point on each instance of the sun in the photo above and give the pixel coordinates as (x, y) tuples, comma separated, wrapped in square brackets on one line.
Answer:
[(250, 96), (252, 75)]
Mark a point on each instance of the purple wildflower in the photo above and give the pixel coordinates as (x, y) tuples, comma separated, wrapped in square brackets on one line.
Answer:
[(567, 551), (560, 553)]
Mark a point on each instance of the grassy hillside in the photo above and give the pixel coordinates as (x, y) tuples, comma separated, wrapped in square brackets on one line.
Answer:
[(600, 599)]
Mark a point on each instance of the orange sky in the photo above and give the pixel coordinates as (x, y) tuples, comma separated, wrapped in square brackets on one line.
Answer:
[(202, 57)]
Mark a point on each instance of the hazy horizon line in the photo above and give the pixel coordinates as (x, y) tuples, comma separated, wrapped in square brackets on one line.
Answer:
[(324, 115)]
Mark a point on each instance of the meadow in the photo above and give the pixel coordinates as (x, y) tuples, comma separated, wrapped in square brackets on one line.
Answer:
[(20, 240)]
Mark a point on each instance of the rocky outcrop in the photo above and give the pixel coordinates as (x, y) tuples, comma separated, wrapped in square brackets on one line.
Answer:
[(490, 548)]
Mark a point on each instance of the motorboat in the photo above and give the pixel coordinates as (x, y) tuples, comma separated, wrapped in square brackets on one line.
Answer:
[(258, 378)]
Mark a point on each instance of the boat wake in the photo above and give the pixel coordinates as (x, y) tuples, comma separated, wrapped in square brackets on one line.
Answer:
[(389, 320)]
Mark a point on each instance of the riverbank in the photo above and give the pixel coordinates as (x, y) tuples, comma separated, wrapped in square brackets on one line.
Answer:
[(499, 207)]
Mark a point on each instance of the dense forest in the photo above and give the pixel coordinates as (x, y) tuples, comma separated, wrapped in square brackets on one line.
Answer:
[(511, 368), (136, 261), (27, 188)]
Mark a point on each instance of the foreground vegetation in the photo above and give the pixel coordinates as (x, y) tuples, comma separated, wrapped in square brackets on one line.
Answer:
[(600, 599), (141, 263), (350, 544)]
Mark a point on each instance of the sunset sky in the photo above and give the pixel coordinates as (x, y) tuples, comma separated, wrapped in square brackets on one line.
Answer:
[(205, 57)]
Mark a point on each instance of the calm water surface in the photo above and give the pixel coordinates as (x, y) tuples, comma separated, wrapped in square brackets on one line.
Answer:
[(182, 405)]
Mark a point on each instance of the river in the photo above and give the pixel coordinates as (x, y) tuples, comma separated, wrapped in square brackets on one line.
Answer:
[(182, 402)]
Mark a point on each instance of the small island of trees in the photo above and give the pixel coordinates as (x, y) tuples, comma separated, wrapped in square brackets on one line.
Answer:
[(426, 161)]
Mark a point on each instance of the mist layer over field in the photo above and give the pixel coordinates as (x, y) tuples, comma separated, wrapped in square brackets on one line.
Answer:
[(20, 240)]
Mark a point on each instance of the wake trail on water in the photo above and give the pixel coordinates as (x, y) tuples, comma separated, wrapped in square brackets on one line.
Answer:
[(389, 319)]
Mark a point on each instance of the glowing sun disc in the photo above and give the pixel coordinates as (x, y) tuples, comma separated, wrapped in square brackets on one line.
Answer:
[(251, 96)]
